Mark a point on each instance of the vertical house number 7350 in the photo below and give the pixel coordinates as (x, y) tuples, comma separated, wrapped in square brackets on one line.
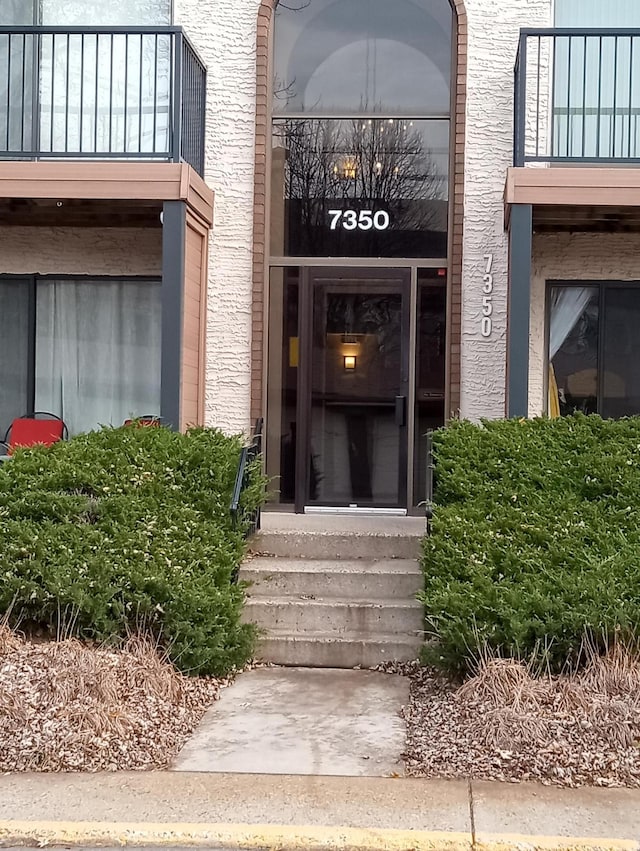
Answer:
[(487, 296)]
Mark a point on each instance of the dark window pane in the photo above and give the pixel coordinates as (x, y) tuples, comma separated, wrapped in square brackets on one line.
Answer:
[(282, 383), (356, 375), (621, 352), (14, 351), (359, 188), (354, 56), (573, 350), (430, 368)]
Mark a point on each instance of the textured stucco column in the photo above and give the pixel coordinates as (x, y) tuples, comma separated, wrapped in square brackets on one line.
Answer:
[(493, 30), (224, 33)]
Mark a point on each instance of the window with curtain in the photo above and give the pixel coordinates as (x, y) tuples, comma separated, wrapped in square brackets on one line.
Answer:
[(95, 93), (596, 105), (96, 349), (594, 349), (96, 13), (596, 13)]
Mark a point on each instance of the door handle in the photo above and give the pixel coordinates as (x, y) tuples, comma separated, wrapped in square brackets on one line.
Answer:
[(401, 411)]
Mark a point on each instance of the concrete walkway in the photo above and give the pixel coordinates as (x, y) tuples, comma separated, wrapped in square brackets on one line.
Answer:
[(303, 721)]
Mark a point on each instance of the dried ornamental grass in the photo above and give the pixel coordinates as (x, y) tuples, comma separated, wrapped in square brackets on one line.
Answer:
[(507, 723), (65, 706)]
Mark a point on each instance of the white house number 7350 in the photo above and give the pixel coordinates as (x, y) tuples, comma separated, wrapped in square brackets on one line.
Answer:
[(359, 219), (487, 296)]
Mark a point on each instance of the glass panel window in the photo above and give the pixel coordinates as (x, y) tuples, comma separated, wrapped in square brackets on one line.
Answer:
[(594, 349), (356, 379), (98, 351), (339, 57), (98, 13), (282, 383), (17, 12), (597, 81), (14, 350), (360, 188), (620, 390), (595, 13), (430, 368), (573, 350)]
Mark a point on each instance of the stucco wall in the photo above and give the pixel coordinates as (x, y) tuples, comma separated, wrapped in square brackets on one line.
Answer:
[(572, 257), (81, 251), (493, 39), (224, 32)]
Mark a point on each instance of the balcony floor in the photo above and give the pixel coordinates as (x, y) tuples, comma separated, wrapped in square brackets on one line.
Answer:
[(580, 198)]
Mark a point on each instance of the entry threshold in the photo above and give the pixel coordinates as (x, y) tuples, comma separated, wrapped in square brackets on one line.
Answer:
[(355, 509)]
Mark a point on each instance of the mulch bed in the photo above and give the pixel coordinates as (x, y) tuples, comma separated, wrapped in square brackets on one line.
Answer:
[(506, 724), (65, 706)]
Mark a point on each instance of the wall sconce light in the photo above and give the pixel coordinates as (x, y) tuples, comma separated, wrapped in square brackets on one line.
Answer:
[(349, 362)]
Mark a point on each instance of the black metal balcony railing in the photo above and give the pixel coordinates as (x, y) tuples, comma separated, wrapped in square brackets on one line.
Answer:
[(101, 93), (577, 96)]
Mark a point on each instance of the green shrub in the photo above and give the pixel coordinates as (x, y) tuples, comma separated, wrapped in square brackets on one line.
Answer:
[(127, 529), (535, 540)]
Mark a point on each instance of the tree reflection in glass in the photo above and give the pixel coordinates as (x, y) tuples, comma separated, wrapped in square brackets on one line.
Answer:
[(394, 167)]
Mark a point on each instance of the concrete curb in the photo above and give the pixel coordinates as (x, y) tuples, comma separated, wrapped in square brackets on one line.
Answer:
[(232, 836), (284, 838), (516, 842)]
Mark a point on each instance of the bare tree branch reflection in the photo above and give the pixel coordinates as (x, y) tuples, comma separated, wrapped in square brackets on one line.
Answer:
[(361, 164)]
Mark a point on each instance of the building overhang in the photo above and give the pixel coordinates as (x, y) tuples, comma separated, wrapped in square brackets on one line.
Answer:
[(580, 198), (107, 194)]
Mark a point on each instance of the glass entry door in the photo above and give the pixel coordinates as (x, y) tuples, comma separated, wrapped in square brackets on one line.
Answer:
[(353, 386)]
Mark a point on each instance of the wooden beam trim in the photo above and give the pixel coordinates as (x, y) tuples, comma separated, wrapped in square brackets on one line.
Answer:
[(108, 182)]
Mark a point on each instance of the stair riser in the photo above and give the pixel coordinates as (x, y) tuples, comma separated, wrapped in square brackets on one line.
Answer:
[(345, 586), (326, 546), (307, 617), (319, 654)]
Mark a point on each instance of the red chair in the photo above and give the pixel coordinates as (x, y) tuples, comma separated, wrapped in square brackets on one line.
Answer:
[(31, 431), (146, 420)]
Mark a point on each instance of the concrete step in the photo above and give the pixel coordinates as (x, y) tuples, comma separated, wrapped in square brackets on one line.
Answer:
[(349, 650), (336, 545), (370, 617), (389, 579)]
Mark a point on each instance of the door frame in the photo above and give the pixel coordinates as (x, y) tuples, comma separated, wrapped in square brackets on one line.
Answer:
[(378, 276)]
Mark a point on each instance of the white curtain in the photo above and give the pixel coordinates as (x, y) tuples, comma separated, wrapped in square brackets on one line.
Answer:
[(567, 306), (597, 13), (105, 94), (102, 94), (16, 59), (97, 93), (98, 351), (597, 81)]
